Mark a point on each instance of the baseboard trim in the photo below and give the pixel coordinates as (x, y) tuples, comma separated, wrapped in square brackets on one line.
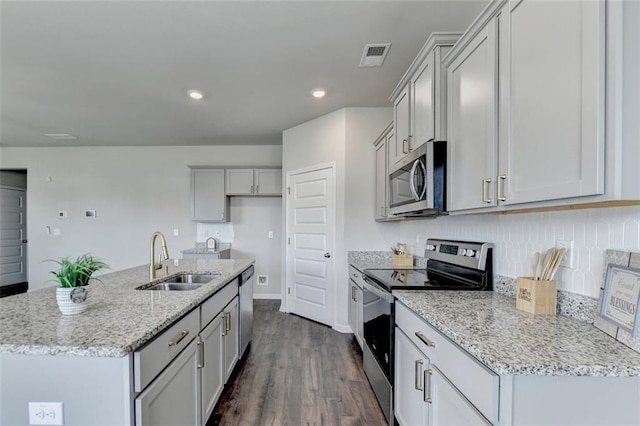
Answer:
[(267, 296), (342, 328)]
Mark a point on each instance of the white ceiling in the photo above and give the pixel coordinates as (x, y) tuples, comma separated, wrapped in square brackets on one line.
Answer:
[(117, 72)]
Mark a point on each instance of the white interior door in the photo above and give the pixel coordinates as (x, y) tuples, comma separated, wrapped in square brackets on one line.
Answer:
[(13, 243), (310, 239)]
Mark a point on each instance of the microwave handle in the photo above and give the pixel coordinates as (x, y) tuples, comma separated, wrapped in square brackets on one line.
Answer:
[(424, 187), (412, 184)]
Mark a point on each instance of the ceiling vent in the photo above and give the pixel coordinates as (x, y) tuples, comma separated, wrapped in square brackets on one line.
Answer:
[(374, 54), (60, 136)]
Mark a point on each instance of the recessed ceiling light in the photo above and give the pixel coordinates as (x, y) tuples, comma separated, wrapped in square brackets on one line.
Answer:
[(318, 93), (60, 136), (195, 94)]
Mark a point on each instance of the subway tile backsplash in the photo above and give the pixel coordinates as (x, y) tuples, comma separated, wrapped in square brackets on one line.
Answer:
[(517, 236)]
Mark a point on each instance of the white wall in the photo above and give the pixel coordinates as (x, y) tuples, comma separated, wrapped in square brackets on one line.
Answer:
[(252, 220), (135, 191), (342, 137)]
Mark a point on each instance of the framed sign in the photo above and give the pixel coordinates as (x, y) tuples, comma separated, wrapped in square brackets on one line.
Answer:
[(620, 298)]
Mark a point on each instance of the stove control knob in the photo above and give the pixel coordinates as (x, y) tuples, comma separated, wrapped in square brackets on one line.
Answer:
[(462, 252), (430, 247), (470, 253)]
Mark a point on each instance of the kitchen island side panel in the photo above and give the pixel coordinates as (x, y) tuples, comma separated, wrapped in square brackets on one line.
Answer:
[(93, 391)]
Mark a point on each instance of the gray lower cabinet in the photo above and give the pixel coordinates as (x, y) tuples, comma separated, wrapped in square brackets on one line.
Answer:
[(194, 358), (230, 335), (174, 396), (212, 367)]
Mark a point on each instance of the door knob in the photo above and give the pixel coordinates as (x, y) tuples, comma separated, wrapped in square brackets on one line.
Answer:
[(327, 255)]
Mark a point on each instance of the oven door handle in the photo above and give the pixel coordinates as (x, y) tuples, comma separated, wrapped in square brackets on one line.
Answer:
[(375, 289)]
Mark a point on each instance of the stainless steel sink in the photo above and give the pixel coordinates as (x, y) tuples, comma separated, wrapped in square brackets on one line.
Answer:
[(182, 282), (193, 278), (173, 287)]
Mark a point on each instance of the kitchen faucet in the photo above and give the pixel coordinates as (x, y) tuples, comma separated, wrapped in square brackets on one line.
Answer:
[(153, 267)]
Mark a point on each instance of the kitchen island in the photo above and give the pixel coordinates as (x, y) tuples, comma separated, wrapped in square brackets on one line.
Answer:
[(91, 362)]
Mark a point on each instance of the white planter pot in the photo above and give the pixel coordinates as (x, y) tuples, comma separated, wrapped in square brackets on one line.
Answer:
[(72, 300)]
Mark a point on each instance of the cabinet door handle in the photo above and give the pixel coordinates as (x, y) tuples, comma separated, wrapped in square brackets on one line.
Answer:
[(426, 341), (417, 373), (409, 143), (228, 321), (485, 190), (426, 396), (201, 354), (352, 293), (221, 215), (252, 189), (501, 183), (224, 323), (381, 211), (355, 295), (183, 334), (404, 145), (257, 189)]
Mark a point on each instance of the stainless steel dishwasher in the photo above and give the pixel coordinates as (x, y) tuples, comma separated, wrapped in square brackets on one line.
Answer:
[(246, 309)]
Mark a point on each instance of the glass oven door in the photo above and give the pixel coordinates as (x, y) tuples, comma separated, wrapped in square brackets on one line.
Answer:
[(378, 325)]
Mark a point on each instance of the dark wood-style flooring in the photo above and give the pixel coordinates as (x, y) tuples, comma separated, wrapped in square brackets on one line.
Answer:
[(298, 372)]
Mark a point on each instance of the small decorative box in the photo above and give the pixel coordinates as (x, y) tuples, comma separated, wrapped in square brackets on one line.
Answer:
[(403, 260), (536, 297)]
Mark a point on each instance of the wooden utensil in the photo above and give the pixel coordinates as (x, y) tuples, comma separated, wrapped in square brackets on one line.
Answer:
[(547, 263), (557, 261), (534, 265)]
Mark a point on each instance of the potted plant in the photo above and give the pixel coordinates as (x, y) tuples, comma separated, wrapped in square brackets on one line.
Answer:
[(72, 277)]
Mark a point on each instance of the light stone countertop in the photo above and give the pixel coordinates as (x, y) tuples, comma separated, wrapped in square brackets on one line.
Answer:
[(120, 318), (511, 342)]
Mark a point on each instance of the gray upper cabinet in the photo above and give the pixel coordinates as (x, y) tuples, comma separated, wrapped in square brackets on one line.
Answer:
[(253, 181), (552, 100), (239, 181), (382, 144), (526, 113), (471, 147), (419, 100), (209, 202)]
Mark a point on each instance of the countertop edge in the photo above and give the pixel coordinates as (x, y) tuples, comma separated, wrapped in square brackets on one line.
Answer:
[(123, 351)]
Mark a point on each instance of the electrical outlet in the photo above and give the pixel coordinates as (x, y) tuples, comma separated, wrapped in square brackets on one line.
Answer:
[(176, 232), (567, 259), (270, 234), (45, 413)]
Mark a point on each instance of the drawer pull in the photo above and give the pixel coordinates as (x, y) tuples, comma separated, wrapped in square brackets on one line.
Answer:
[(426, 341), (417, 373), (183, 334), (427, 386)]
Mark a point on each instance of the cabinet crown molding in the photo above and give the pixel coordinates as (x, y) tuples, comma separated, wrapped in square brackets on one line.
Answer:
[(487, 14), (435, 40)]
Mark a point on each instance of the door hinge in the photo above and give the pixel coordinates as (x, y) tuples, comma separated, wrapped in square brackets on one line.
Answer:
[(289, 240), (289, 190), (289, 290)]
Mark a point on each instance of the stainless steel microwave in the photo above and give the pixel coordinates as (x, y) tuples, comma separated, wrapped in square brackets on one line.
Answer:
[(417, 183)]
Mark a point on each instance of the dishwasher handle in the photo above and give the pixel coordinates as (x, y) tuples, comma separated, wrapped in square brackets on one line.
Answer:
[(247, 274)]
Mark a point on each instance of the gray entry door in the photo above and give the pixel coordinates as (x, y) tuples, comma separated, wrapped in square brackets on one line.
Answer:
[(13, 233)]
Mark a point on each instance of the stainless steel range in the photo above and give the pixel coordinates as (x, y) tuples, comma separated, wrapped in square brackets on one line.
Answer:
[(451, 265)]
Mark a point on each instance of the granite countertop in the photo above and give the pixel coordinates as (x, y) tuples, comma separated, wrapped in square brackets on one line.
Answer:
[(508, 341), (120, 318), (205, 250)]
